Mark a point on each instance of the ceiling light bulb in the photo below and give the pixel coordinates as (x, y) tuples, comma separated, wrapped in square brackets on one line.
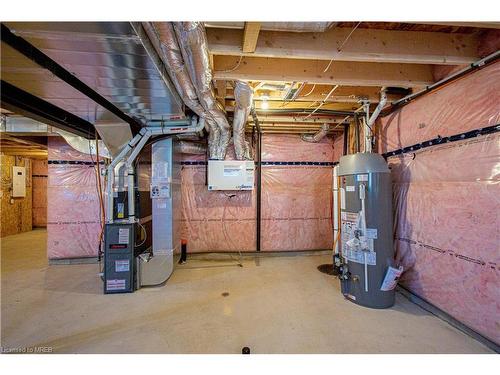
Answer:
[(264, 104)]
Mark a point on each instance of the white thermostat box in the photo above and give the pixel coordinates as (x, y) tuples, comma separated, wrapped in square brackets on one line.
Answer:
[(18, 182), (230, 174)]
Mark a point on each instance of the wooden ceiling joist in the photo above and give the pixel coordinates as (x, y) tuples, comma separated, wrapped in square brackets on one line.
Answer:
[(364, 45), (250, 36), (340, 72)]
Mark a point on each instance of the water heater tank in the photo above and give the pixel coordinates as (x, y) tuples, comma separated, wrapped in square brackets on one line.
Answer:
[(366, 229)]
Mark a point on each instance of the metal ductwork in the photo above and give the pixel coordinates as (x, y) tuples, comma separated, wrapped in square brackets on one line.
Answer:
[(193, 148), (243, 95), (315, 138), (85, 146), (194, 48)]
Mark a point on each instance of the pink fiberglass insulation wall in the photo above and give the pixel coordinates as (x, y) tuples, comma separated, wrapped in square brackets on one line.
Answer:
[(73, 223), (296, 200), (471, 102), (446, 200), (215, 220), (296, 212)]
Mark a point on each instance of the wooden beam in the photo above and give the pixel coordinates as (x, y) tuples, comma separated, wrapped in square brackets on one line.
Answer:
[(250, 36), (483, 25), (299, 105), (344, 94), (312, 71), (368, 45)]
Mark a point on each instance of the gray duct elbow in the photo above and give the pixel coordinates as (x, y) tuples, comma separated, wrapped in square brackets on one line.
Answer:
[(315, 138), (243, 95)]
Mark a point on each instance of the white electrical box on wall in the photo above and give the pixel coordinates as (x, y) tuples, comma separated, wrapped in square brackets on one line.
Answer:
[(18, 182), (230, 174)]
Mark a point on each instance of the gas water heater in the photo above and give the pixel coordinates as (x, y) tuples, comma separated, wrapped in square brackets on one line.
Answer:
[(367, 251)]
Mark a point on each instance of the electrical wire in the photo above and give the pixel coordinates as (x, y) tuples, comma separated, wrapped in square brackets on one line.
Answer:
[(310, 92), (96, 175), (233, 68), (99, 186), (145, 234), (323, 101), (342, 45)]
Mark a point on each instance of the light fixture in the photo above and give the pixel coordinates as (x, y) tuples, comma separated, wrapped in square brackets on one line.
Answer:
[(264, 104)]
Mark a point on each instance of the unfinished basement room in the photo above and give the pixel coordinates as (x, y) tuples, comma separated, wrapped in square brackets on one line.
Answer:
[(289, 186)]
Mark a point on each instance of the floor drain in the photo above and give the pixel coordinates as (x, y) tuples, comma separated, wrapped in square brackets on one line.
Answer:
[(225, 294)]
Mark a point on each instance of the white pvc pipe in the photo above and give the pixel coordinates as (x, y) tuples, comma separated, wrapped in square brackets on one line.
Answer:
[(111, 173), (193, 128), (362, 195), (130, 170), (335, 212)]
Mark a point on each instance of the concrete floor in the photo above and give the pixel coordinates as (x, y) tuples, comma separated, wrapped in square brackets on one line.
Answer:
[(275, 305)]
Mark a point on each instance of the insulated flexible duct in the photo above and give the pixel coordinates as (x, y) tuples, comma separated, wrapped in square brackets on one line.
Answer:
[(194, 48), (164, 39), (193, 148), (243, 95), (315, 138)]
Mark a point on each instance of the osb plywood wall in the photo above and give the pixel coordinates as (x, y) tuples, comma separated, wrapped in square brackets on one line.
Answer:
[(15, 216), (40, 171)]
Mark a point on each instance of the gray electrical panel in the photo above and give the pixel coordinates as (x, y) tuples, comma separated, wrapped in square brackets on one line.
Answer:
[(119, 262), (366, 229)]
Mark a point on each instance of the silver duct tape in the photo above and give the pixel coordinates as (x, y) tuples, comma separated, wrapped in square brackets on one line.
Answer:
[(186, 147), (243, 95), (315, 138), (194, 48)]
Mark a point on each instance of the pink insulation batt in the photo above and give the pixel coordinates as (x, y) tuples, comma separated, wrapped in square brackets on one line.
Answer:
[(446, 200), (296, 202), (296, 212), (73, 224)]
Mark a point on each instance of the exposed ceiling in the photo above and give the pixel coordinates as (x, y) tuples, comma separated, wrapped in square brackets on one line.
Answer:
[(336, 65), (303, 74)]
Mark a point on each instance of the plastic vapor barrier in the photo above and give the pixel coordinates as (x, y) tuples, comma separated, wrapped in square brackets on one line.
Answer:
[(446, 199), (296, 199), (215, 220), (470, 103), (73, 224), (294, 213)]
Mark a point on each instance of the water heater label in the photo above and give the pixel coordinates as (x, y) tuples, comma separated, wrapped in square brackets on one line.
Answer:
[(350, 188), (362, 177), (350, 232)]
